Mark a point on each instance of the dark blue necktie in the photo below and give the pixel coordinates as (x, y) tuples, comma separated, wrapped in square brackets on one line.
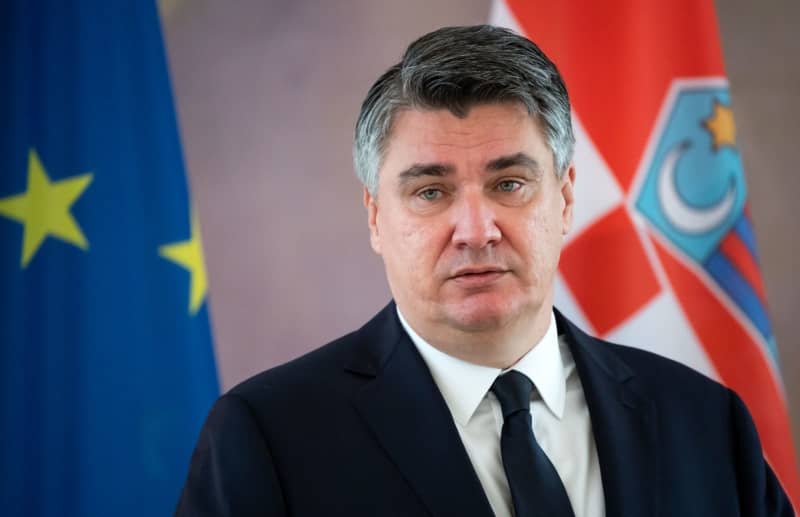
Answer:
[(536, 489)]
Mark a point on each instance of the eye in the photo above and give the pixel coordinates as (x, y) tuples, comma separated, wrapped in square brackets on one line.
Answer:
[(430, 194), (508, 185)]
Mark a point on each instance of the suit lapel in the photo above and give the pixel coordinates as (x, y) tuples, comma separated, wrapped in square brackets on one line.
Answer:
[(623, 421), (409, 418)]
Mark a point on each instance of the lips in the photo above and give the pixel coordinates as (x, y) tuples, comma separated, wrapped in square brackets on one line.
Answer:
[(478, 271), (476, 277)]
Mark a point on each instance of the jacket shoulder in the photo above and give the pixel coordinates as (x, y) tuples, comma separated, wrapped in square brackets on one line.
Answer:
[(664, 373), (312, 370), (334, 368)]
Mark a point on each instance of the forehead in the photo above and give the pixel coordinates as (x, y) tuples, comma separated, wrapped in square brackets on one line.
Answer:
[(486, 132)]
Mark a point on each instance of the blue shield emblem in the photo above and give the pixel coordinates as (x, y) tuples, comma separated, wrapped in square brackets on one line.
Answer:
[(694, 191)]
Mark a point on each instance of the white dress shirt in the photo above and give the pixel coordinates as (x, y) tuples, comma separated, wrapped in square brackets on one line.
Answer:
[(561, 420)]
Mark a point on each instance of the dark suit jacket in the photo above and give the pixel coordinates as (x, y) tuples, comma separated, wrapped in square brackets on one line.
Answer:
[(358, 427)]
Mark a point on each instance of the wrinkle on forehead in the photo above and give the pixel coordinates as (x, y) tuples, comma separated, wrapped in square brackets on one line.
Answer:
[(426, 142)]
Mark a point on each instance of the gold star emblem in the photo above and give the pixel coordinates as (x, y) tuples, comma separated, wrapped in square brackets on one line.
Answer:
[(721, 126), (44, 209), (189, 255)]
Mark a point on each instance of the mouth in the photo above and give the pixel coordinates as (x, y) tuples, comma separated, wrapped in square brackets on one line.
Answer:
[(476, 277), (477, 270)]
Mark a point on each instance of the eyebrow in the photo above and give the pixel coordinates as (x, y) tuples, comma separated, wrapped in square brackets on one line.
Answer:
[(439, 170), (425, 169), (514, 160)]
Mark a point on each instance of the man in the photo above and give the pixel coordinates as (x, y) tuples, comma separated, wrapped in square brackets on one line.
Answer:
[(469, 395)]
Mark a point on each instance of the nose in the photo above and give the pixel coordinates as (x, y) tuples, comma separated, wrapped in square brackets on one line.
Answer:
[(474, 221)]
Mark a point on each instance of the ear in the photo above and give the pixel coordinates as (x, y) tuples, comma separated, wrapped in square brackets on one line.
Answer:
[(568, 197), (371, 204)]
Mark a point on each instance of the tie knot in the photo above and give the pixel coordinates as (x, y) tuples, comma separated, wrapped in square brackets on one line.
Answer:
[(513, 391)]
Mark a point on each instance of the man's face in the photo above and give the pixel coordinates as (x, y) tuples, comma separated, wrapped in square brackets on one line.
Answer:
[(469, 218)]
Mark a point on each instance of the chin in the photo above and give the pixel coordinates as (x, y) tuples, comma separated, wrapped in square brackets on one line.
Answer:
[(482, 314)]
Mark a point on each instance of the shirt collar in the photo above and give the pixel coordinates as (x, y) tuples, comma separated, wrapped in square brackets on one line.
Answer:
[(544, 366), (463, 385)]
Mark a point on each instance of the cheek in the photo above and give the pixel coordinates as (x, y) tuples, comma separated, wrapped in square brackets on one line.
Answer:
[(409, 246), (411, 257), (543, 232)]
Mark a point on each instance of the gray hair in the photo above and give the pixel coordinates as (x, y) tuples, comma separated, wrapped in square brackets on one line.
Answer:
[(456, 68)]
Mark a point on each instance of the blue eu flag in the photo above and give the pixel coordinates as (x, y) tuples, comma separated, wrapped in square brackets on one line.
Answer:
[(106, 362)]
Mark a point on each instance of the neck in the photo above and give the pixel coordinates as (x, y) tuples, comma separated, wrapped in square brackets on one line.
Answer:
[(497, 347)]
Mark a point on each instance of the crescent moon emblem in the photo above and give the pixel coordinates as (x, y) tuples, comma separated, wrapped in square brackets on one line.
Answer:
[(682, 216)]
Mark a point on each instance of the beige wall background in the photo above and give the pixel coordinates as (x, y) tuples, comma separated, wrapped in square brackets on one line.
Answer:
[(267, 92)]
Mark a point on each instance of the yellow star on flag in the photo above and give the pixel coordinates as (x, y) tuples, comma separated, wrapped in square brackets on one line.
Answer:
[(44, 209), (189, 255), (721, 126)]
